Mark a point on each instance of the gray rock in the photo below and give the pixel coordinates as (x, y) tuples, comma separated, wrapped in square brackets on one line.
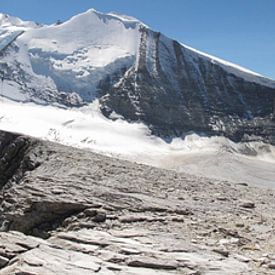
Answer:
[(248, 205), (242, 258), (222, 251), (271, 265), (3, 261), (90, 212), (132, 218), (148, 262), (100, 216)]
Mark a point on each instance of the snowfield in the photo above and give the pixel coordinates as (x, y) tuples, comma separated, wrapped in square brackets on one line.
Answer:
[(86, 127)]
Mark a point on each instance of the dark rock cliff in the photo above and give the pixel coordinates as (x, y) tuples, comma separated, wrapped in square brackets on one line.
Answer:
[(175, 90)]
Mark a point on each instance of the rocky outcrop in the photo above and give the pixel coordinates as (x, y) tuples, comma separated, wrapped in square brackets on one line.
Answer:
[(82, 213), (14, 159)]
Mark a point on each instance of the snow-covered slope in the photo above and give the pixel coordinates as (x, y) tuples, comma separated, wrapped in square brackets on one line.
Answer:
[(234, 68), (74, 56)]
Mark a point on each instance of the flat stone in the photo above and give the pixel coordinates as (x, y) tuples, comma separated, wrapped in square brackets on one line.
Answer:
[(271, 265), (129, 251), (271, 257), (149, 262), (132, 218), (222, 251), (184, 212), (242, 258), (248, 205)]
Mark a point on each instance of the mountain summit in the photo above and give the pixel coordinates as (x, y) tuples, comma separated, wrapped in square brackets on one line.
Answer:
[(136, 73)]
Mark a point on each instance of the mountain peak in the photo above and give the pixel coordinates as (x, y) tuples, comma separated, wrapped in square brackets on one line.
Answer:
[(7, 21), (92, 15)]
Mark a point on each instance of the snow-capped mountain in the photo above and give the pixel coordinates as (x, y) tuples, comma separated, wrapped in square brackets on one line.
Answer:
[(135, 72), (59, 62)]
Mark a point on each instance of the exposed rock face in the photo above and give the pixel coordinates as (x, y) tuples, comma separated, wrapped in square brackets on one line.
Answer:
[(175, 90), (82, 213), (14, 161)]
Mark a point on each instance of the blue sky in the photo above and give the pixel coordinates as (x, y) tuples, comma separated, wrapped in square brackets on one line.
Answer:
[(240, 31)]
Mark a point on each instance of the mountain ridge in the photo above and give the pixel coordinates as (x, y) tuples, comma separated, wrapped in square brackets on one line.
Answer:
[(139, 74), (125, 19)]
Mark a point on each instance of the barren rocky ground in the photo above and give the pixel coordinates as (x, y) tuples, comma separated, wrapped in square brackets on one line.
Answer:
[(68, 211)]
